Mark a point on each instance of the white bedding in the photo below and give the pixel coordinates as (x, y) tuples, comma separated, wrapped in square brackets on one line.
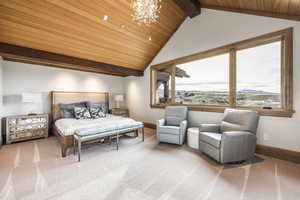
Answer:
[(69, 126)]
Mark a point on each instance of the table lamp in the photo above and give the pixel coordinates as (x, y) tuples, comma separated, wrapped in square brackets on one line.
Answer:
[(119, 98), (32, 99)]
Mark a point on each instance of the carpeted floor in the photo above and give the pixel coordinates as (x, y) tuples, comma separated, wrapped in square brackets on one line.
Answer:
[(139, 171)]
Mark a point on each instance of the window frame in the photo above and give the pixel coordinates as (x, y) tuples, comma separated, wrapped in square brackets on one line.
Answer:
[(286, 38)]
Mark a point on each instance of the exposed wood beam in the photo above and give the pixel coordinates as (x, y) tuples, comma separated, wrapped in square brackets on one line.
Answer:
[(255, 12), (34, 56), (191, 7)]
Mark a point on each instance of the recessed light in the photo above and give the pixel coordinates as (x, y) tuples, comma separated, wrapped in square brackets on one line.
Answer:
[(150, 38), (105, 18)]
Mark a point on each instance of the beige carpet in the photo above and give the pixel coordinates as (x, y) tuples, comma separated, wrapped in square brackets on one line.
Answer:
[(138, 171)]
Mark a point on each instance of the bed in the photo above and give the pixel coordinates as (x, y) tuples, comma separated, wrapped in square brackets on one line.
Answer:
[(65, 128)]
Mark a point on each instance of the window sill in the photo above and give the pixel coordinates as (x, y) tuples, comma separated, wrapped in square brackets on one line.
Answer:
[(220, 109)]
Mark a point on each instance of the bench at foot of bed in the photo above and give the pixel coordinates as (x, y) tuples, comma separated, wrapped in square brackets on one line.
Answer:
[(81, 137)]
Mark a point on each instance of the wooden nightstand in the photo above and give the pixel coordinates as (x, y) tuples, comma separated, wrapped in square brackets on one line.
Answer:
[(26, 127), (120, 112)]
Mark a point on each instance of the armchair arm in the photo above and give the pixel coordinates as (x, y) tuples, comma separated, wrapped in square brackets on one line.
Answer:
[(210, 128), (160, 122), (182, 129), (183, 126), (237, 146)]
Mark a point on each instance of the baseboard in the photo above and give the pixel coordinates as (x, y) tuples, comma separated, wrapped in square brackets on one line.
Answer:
[(283, 154)]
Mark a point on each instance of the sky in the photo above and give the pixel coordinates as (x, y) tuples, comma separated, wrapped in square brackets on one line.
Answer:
[(258, 68)]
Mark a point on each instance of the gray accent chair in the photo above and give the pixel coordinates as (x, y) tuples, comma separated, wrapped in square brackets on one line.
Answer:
[(172, 129), (233, 140)]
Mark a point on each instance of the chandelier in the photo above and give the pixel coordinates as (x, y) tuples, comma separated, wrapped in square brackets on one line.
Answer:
[(145, 11)]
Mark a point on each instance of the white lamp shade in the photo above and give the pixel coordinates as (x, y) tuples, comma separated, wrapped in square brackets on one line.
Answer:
[(119, 98), (28, 97)]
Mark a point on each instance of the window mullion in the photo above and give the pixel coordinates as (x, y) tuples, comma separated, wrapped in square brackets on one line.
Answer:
[(232, 78), (173, 84)]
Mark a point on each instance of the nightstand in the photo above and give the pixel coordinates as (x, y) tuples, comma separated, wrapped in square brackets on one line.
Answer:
[(120, 112), (26, 127)]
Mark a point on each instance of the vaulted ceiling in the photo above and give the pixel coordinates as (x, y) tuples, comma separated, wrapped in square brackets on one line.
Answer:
[(77, 28), (75, 32)]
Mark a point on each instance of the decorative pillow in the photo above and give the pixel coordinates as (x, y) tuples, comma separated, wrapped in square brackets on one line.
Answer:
[(67, 110), (82, 113), (102, 106), (97, 113)]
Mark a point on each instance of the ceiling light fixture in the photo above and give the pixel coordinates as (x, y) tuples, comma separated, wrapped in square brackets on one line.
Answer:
[(146, 11), (105, 18)]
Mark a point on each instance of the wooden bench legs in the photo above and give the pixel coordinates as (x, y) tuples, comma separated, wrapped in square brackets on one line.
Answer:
[(77, 143)]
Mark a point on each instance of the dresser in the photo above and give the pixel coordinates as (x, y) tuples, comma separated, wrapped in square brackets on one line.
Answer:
[(26, 127), (120, 112)]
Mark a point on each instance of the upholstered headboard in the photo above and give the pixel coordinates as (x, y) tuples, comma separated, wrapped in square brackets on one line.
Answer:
[(58, 97)]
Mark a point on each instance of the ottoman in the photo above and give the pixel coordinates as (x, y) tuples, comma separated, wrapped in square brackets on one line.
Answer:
[(193, 137)]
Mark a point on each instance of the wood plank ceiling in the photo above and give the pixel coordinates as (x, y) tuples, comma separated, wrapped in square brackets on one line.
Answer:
[(76, 28), (286, 9)]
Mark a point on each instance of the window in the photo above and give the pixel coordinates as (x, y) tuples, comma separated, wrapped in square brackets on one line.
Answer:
[(163, 86), (203, 82), (258, 76), (253, 74)]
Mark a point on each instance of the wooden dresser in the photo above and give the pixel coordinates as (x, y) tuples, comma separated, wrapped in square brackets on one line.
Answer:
[(26, 127)]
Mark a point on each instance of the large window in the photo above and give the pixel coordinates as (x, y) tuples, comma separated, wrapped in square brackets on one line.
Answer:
[(206, 82), (259, 76), (253, 74)]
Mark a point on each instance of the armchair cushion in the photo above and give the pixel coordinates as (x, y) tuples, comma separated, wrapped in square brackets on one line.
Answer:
[(173, 121), (173, 130), (240, 120), (175, 114), (213, 139), (210, 128), (227, 126)]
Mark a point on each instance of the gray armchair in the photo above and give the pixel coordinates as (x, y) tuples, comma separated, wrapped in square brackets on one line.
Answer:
[(233, 140), (172, 129)]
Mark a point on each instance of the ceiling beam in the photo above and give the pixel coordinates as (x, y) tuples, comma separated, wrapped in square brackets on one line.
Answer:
[(191, 7), (34, 56), (254, 12)]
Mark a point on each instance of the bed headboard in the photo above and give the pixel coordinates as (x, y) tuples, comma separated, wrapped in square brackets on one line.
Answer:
[(58, 97)]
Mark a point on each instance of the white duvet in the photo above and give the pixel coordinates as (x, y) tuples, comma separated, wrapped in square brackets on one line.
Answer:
[(69, 126)]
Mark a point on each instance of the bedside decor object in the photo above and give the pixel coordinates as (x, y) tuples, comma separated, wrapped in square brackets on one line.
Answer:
[(119, 98), (32, 99), (25, 127), (120, 112)]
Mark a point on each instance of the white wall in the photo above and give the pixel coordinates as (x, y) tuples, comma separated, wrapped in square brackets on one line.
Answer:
[(1, 84), (1, 88), (209, 30), (19, 78)]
